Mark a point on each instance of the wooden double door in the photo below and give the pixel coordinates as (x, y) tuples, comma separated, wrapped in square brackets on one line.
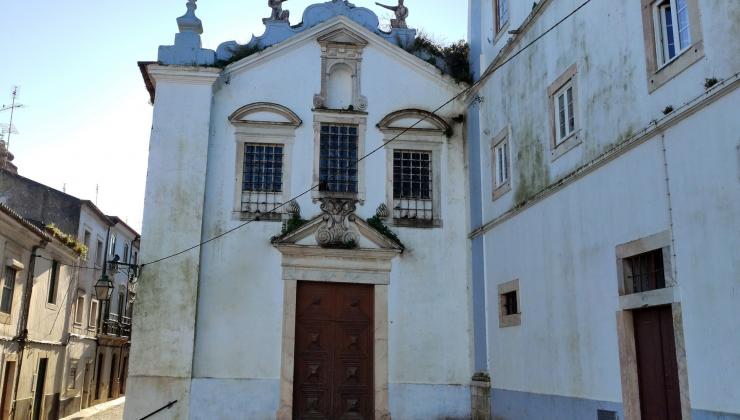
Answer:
[(657, 367), (333, 374)]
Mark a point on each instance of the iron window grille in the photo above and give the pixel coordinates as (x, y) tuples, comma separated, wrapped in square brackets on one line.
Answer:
[(645, 271), (338, 158), (262, 180), (7, 292), (412, 185)]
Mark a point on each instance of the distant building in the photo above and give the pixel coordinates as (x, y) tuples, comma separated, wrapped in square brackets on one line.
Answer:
[(6, 159), (34, 316), (605, 208), (94, 361)]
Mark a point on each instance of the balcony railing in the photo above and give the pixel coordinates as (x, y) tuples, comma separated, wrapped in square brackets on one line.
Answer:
[(115, 327)]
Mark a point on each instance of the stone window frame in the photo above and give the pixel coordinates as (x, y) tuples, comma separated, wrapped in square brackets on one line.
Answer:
[(80, 295), (12, 260), (659, 74), (343, 118), (72, 385), (514, 320), (504, 136), (93, 326), (669, 296), (252, 125), (566, 79), (498, 29), (422, 139)]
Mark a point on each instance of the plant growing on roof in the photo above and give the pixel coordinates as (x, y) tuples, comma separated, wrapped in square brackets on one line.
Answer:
[(69, 240)]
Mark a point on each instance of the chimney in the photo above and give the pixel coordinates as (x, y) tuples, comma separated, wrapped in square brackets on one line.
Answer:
[(6, 159)]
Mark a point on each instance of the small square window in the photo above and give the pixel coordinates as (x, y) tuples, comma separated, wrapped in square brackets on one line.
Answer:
[(644, 272), (509, 304), (511, 307)]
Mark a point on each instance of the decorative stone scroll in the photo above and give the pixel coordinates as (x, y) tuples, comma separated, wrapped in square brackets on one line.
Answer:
[(336, 228)]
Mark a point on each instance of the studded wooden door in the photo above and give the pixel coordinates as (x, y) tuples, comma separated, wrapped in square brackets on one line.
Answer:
[(333, 377)]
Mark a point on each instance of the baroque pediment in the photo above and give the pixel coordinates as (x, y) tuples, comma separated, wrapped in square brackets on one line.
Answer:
[(342, 36), (338, 228)]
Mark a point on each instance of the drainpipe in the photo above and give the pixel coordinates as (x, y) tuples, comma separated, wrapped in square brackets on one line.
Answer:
[(22, 332)]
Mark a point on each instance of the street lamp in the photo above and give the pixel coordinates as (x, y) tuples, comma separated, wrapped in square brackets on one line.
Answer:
[(104, 288)]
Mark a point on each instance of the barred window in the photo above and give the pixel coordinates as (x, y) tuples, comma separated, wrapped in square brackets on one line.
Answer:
[(645, 271), (262, 181), (412, 185), (338, 158)]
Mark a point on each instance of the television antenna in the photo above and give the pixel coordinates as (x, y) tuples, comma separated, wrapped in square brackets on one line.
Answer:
[(12, 107)]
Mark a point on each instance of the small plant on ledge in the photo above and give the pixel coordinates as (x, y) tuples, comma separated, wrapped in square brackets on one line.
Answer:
[(710, 82), (376, 222)]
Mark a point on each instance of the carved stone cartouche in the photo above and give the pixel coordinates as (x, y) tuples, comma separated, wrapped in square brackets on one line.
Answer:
[(336, 229)]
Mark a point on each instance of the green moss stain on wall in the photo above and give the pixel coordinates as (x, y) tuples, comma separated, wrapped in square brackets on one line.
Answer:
[(532, 171)]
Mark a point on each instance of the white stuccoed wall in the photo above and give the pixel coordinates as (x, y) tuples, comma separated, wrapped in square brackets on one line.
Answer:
[(238, 333), (240, 307), (164, 326), (562, 249)]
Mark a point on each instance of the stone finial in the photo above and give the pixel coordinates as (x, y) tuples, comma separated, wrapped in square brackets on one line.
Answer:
[(277, 11), (189, 22), (401, 11), (187, 50), (382, 211)]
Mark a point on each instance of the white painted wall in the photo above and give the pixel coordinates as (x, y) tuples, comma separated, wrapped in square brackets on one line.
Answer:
[(240, 305), (562, 249)]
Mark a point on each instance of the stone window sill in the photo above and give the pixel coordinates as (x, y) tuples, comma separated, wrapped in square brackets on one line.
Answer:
[(570, 143), (672, 69), (502, 190), (417, 223)]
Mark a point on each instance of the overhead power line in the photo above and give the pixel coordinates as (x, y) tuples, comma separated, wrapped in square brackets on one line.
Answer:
[(483, 77)]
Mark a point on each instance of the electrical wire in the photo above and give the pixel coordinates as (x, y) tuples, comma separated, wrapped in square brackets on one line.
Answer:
[(465, 91)]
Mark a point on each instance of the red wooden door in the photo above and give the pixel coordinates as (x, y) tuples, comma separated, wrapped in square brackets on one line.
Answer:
[(333, 375), (657, 369)]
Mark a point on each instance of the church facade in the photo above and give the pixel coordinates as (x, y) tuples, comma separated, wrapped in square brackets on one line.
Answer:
[(351, 300)]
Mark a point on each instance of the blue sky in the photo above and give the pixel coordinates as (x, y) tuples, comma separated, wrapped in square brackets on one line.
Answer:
[(87, 118)]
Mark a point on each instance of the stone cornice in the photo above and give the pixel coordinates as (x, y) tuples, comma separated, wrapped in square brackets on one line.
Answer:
[(183, 74)]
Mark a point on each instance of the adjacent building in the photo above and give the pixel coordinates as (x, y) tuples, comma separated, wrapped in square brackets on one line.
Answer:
[(86, 338), (605, 207), (39, 275)]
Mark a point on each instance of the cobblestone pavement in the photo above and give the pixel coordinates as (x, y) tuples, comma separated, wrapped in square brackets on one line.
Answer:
[(115, 413)]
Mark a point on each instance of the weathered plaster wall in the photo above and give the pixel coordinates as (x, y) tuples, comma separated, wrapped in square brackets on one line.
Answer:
[(240, 305), (563, 359), (162, 354)]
